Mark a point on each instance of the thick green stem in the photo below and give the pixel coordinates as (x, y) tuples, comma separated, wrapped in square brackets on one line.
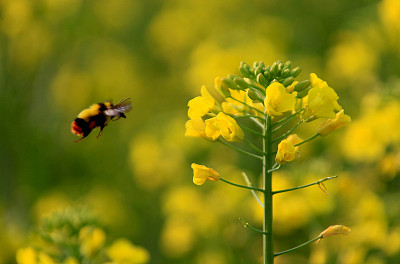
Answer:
[(267, 186)]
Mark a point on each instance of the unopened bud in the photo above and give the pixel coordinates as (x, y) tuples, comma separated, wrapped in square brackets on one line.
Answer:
[(302, 85), (274, 69), (259, 69), (302, 94), (244, 69), (261, 80), (295, 72), (255, 95), (267, 74), (287, 65), (241, 83), (288, 81), (229, 84), (285, 73)]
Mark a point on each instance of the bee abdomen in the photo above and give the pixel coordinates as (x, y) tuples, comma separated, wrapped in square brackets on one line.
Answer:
[(80, 127)]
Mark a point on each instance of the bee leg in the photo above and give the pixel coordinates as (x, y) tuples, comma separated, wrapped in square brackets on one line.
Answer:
[(101, 131), (80, 139)]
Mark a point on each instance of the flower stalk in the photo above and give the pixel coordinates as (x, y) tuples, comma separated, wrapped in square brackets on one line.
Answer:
[(268, 195), (319, 182)]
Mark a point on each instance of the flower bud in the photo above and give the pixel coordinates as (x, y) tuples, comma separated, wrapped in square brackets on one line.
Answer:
[(288, 81), (295, 72), (267, 74), (261, 80), (274, 69), (302, 94), (302, 85), (241, 83), (255, 95), (285, 73), (287, 65), (259, 69), (230, 84), (244, 69)]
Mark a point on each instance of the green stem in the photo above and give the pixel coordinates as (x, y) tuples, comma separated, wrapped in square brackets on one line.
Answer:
[(260, 124), (249, 106), (267, 178), (299, 246), (249, 116), (308, 139), (251, 130), (304, 186), (287, 118), (242, 186), (284, 124), (253, 146), (246, 225), (240, 150), (288, 132)]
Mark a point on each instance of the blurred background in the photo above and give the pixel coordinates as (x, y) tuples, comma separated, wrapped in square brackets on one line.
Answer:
[(57, 57)]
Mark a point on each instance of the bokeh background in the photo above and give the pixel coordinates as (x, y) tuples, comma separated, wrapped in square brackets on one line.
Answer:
[(59, 56)]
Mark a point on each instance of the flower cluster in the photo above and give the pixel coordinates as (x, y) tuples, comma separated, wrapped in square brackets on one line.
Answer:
[(269, 98), (262, 91), (73, 236)]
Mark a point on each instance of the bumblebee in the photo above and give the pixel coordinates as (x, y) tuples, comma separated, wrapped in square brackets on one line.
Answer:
[(98, 115)]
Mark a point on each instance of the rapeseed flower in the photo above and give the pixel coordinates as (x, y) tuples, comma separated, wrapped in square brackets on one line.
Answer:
[(195, 128), (122, 251), (223, 125), (92, 239), (287, 150), (321, 100), (334, 230), (330, 125), (278, 100), (202, 173), (201, 105)]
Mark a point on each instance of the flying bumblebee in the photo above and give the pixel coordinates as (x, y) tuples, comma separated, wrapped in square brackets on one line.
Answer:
[(98, 115)]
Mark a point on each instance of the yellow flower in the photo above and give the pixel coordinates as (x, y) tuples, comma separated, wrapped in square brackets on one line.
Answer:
[(92, 239), (277, 100), (223, 125), (195, 127), (322, 100), (287, 150), (26, 256), (122, 251), (329, 125), (29, 256), (335, 230), (202, 173), (71, 260), (201, 105)]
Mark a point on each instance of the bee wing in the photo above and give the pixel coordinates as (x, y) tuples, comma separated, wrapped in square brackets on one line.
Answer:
[(123, 106)]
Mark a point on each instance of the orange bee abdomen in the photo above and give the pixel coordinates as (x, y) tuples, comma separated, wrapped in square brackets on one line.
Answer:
[(76, 129)]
